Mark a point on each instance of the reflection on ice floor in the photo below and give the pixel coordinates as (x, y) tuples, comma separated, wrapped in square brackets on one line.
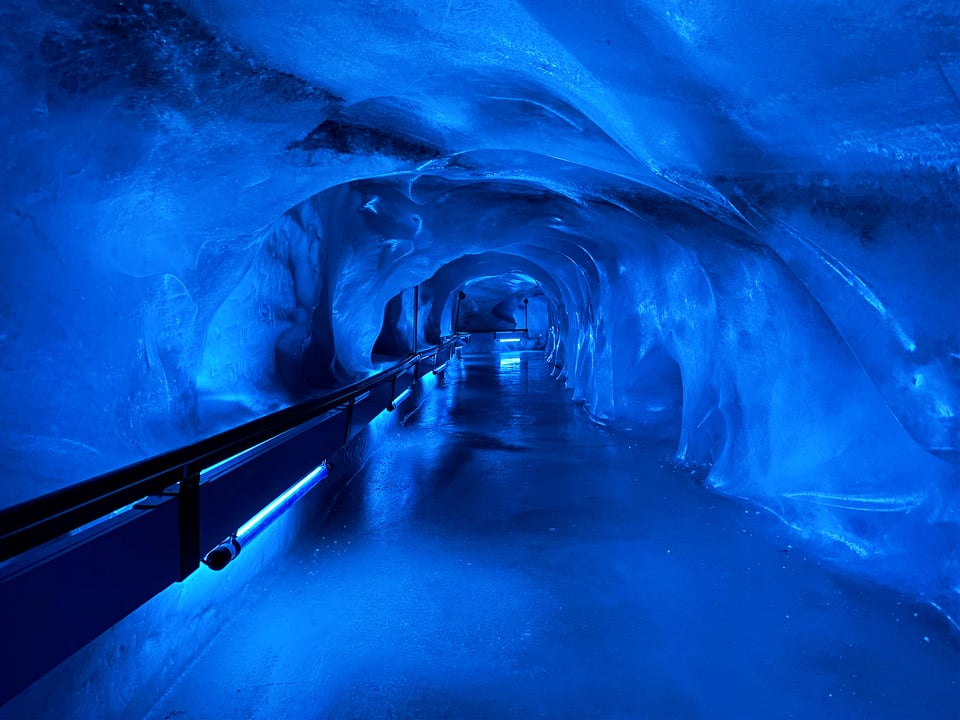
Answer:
[(502, 557)]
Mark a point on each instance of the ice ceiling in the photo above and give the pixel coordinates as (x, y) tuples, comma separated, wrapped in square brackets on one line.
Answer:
[(208, 205)]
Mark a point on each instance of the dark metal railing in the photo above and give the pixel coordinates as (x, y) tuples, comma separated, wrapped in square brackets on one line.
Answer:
[(32, 523)]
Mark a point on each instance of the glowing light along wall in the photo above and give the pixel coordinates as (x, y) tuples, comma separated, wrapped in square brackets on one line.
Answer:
[(209, 205)]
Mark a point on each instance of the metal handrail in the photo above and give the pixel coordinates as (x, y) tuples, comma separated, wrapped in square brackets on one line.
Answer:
[(34, 522)]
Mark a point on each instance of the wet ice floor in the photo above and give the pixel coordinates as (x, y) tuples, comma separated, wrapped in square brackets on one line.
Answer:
[(502, 557)]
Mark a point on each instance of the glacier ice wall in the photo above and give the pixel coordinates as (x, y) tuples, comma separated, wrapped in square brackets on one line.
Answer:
[(209, 205)]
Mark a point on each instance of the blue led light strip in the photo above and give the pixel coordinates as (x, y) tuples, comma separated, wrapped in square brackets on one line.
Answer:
[(220, 556), (399, 399), (259, 522)]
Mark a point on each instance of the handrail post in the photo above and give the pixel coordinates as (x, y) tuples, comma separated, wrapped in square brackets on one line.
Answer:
[(349, 422), (188, 498), (456, 318), (416, 316)]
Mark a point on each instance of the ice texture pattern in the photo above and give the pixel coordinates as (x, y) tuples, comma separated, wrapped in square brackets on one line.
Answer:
[(209, 205)]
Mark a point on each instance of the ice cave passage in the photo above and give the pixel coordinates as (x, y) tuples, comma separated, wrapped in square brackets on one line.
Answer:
[(723, 234)]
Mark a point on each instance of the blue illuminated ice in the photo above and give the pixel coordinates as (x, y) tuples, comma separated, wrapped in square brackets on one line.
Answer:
[(208, 207)]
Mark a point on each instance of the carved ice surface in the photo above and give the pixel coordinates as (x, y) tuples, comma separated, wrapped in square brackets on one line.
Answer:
[(210, 208)]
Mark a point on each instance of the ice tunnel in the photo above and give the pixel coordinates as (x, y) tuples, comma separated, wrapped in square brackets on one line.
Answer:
[(733, 219)]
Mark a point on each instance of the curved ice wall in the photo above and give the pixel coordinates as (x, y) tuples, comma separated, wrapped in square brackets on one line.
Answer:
[(207, 206)]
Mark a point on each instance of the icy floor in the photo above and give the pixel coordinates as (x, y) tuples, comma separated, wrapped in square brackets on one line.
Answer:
[(502, 557)]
